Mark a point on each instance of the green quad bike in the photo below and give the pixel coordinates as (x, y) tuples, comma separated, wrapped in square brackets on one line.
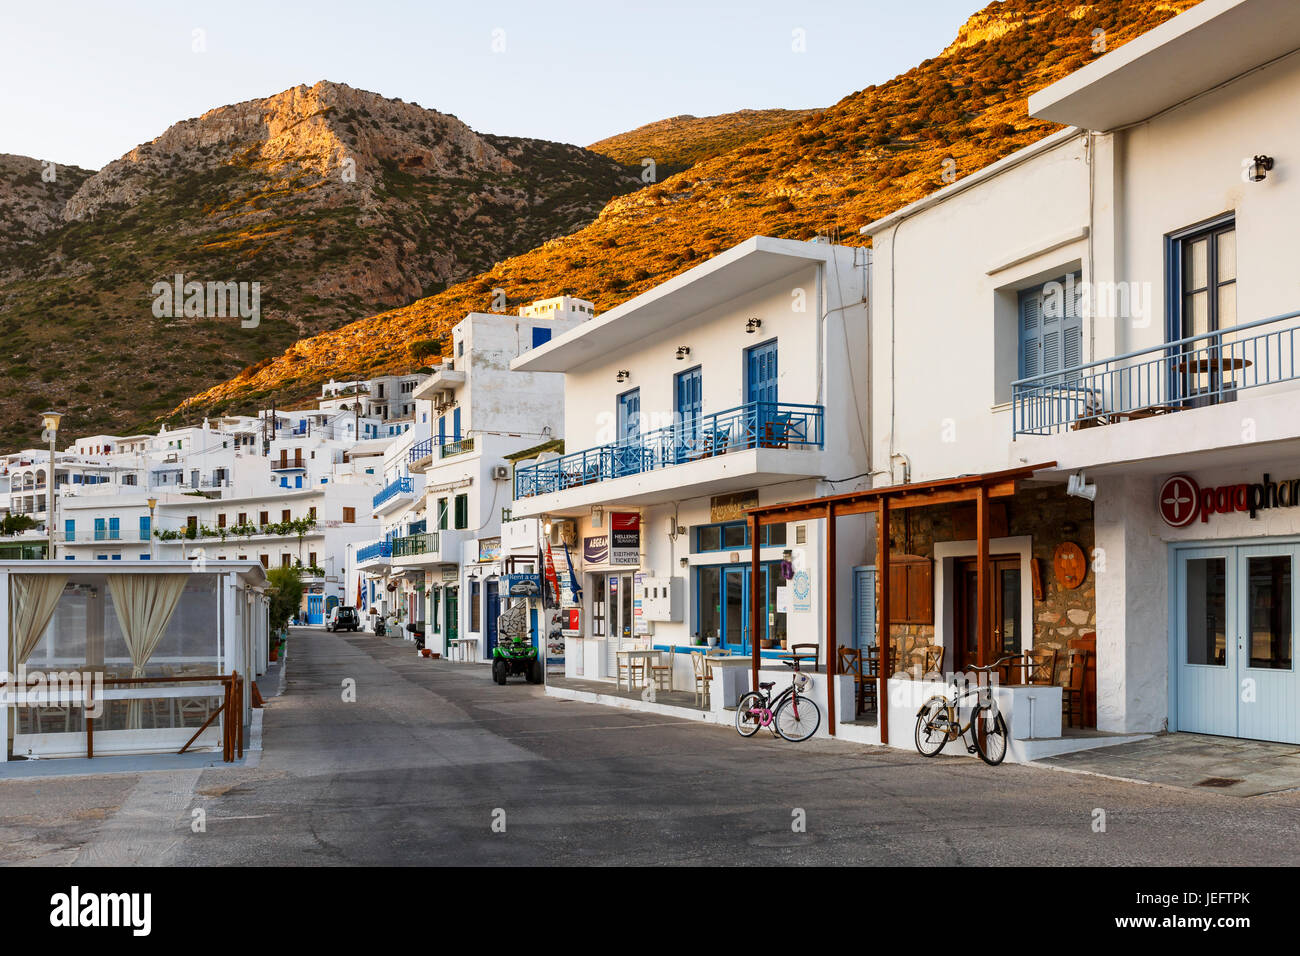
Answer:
[(514, 653), (514, 657)]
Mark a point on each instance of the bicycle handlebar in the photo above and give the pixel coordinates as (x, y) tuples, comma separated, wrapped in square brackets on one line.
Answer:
[(997, 663)]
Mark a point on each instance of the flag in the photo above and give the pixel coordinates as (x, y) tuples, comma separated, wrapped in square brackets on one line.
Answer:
[(551, 577), (574, 586)]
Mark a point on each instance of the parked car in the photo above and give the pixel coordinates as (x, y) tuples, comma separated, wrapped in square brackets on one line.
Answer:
[(343, 618)]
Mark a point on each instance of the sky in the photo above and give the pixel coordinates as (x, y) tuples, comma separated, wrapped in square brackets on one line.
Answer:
[(82, 83)]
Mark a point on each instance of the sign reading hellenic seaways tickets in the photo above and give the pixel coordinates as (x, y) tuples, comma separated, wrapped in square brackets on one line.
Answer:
[(625, 538)]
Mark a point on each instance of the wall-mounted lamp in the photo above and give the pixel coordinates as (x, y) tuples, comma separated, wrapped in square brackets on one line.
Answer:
[(683, 352), (1259, 168), (623, 375), (1078, 486), (753, 325)]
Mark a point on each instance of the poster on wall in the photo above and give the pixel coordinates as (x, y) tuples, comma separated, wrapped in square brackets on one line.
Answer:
[(783, 600), (640, 626), (595, 550), (625, 538), (489, 549), (801, 591)]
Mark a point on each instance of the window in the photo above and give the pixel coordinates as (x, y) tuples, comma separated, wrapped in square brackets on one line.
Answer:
[(284, 516), (311, 558), (442, 514), (349, 515), (311, 512), (462, 512), (1203, 267), (70, 530), (265, 559), (243, 517), (192, 523), (284, 560), (735, 534), (221, 520), (263, 518), (540, 336), (474, 616), (1051, 326), (145, 530)]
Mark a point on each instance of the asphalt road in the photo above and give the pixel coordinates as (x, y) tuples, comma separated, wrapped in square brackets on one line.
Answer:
[(434, 764)]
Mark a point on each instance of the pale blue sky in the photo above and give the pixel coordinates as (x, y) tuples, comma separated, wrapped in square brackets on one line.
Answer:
[(84, 82)]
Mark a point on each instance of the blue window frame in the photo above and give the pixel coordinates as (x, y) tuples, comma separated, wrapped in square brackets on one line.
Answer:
[(722, 605), (629, 415), (297, 481), (731, 535), (101, 529), (540, 336), (455, 424), (114, 528), (145, 530), (1051, 326), (69, 530)]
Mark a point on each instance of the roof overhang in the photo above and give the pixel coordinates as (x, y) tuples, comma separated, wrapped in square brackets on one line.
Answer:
[(749, 265), (1206, 46)]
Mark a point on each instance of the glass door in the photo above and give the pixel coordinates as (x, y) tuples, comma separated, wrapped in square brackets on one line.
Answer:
[(1206, 651), (1267, 687), (735, 620)]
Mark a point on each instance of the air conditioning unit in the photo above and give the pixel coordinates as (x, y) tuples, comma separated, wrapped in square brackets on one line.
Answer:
[(500, 472), (564, 532)]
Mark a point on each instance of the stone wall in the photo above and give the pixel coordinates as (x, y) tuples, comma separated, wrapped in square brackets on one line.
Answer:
[(1050, 517)]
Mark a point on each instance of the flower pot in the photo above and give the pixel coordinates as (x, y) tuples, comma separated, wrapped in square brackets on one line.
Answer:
[(713, 642), (765, 644), (425, 652)]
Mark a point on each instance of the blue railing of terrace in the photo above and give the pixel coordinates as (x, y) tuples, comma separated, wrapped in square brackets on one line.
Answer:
[(755, 425), (379, 549), (457, 447), (1191, 372), (420, 450), (401, 486)]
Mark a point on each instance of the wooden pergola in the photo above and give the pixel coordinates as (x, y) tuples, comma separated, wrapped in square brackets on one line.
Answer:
[(979, 489)]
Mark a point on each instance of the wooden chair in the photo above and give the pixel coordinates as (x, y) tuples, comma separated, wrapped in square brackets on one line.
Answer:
[(703, 675), (933, 662), (1039, 666), (850, 664), (814, 649), (1072, 694), (662, 674), (870, 669)]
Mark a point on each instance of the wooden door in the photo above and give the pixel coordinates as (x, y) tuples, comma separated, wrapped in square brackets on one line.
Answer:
[(1006, 631)]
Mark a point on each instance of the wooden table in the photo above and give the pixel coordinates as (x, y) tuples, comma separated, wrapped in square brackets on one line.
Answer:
[(646, 653)]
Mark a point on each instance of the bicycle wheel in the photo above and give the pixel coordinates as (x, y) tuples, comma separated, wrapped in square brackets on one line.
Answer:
[(748, 722), (797, 718), (932, 727), (990, 733)]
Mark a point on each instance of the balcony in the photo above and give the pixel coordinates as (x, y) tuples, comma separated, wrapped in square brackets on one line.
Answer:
[(1198, 371), (284, 464), (374, 552), (420, 455), (755, 425), (457, 447), (402, 486), (415, 545)]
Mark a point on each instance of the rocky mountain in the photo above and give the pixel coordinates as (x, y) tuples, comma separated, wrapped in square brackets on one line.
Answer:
[(335, 201), (680, 142), (833, 171)]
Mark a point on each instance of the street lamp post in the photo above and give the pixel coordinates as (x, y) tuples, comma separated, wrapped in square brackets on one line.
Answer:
[(153, 503), (50, 421)]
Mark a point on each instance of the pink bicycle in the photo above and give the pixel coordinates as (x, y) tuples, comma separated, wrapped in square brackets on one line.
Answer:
[(793, 715)]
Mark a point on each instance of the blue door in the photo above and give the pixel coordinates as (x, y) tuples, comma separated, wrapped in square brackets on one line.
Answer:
[(627, 452), (760, 390), (455, 424), (315, 614), (690, 406), (735, 605), (442, 430), (493, 611)]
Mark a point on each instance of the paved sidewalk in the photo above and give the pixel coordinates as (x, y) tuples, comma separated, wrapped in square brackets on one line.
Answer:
[(1243, 768)]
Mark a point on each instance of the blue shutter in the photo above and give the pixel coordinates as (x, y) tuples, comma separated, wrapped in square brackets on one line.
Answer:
[(99, 529), (69, 530), (1051, 328), (864, 607), (540, 336), (455, 424), (145, 531), (1031, 333), (114, 528)]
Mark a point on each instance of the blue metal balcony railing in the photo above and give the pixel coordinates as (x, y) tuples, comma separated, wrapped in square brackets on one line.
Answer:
[(415, 544), (457, 447), (755, 425), (1192, 372), (421, 450), (380, 549), (401, 486)]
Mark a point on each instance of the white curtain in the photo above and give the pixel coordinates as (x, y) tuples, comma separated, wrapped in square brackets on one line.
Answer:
[(32, 600), (145, 604)]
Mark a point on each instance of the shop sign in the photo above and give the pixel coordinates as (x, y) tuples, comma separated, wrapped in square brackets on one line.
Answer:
[(732, 507), (522, 585), (595, 550), (801, 591), (449, 575), (625, 538), (489, 549), (1181, 500)]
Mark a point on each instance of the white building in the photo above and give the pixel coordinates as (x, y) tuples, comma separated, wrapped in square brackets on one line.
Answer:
[(1117, 303), (442, 559), (741, 381)]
